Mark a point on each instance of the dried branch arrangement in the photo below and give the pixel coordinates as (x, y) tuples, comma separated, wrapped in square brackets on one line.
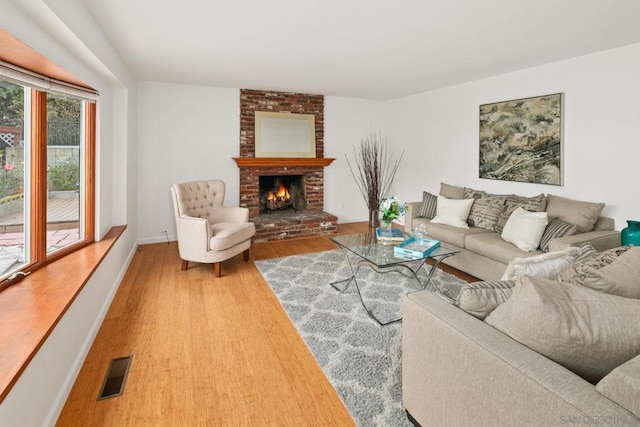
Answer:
[(374, 171)]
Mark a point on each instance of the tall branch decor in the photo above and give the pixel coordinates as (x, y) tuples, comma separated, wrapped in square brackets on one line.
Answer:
[(374, 169)]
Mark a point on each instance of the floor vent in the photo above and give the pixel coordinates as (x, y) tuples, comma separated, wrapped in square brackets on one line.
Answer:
[(113, 384)]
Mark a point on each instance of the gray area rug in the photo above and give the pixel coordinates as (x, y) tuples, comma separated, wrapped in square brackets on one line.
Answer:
[(360, 358)]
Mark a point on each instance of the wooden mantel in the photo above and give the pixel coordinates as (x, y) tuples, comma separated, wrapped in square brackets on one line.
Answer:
[(253, 162)]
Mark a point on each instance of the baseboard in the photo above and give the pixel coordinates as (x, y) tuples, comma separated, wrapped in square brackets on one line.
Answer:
[(157, 239)]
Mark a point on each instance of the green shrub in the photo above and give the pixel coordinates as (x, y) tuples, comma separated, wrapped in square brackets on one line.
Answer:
[(65, 176)]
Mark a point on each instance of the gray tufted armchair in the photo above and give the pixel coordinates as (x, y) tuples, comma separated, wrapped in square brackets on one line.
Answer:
[(208, 231)]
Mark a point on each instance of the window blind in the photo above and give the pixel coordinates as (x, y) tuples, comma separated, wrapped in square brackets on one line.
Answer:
[(21, 76)]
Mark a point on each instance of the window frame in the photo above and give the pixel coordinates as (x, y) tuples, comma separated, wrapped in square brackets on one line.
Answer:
[(37, 179)]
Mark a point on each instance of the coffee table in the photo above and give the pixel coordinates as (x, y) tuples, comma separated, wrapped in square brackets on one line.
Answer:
[(370, 252)]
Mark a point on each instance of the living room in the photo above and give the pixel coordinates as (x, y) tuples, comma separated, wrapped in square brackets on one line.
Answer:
[(154, 134)]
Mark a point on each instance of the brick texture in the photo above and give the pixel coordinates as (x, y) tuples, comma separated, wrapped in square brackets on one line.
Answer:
[(283, 225)]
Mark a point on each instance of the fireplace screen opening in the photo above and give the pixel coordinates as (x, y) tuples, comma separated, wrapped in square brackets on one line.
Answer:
[(279, 193)]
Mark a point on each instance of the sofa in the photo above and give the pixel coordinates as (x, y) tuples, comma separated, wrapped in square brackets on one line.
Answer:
[(483, 251), (555, 343), (459, 371)]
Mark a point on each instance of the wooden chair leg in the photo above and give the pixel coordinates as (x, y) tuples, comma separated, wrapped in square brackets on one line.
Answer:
[(185, 264), (246, 255), (217, 268)]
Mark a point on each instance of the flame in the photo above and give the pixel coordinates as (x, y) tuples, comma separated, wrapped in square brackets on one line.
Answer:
[(282, 194)]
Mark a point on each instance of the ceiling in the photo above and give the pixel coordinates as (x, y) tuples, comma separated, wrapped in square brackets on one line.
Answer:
[(379, 49)]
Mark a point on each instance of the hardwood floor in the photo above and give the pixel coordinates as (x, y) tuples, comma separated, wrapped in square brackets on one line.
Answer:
[(206, 350)]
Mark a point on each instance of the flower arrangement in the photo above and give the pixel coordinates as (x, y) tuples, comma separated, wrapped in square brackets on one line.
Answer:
[(391, 209)]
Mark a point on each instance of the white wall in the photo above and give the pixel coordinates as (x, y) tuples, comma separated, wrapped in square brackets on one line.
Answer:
[(186, 133), (346, 122), (193, 132), (601, 115), (64, 32)]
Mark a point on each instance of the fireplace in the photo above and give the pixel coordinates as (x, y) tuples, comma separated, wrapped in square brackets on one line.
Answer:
[(301, 212), (278, 193)]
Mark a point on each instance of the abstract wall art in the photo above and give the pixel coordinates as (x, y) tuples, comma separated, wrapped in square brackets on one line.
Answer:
[(521, 140)]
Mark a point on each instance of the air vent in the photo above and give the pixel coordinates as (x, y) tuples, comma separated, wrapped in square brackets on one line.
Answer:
[(116, 377)]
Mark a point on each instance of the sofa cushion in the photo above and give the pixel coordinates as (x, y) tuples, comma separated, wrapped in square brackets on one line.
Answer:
[(546, 266), (453, 235), (428, 206), (622, 385), (481, 298), (451, 191), (588, 332), (524, 229), (485, 210), (491, 245), (512, 202), (615, 271), (229, 234), (555, 229), (583, 214), (452, 212)]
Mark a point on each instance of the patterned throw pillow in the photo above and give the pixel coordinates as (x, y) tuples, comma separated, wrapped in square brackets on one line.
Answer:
[(428, 207), (583, 271), (485, 210), (513, 202), (556, 228)]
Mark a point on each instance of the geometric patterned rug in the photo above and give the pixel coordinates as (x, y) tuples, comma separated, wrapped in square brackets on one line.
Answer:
[(361, 359)]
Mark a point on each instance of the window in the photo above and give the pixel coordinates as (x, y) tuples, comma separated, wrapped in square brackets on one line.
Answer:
[(47, 167)]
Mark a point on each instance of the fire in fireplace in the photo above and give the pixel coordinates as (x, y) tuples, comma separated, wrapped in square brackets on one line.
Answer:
[(279, 193)]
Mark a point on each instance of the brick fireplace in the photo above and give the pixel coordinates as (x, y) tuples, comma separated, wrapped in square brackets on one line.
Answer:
[(309, 219)]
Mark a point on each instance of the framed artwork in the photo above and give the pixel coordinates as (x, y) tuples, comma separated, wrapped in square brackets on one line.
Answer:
[(521, 140), (285, 134)]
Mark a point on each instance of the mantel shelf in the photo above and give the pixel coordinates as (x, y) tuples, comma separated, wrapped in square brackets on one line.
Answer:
[(253, 162)]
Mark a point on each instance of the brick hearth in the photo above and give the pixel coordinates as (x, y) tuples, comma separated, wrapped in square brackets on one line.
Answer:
[(290, 223)]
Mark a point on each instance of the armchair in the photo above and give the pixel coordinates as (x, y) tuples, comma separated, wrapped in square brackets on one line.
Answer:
[(208, 231)]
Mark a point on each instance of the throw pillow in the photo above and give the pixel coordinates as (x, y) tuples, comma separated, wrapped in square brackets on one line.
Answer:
[(555, 229), (512, 202), (586, 250), (583, 214), (586, 331), (524, 229), (481, 298), (545, 266), (452, 212), (581, 271), (485, 210), (622, 386), (451, 191), (428, 207), (615, 271)]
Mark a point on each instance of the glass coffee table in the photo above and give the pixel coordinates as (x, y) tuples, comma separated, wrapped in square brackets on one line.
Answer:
[(381, 257)]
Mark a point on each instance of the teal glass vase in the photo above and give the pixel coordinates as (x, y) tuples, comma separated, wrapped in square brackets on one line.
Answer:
[(631, 234)]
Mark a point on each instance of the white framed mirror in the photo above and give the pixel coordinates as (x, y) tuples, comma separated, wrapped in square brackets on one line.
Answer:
[(285, 134)]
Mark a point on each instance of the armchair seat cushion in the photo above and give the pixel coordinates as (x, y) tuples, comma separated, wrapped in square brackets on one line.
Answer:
[(228, 234)]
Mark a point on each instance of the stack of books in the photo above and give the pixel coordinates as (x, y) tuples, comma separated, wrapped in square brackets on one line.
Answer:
[(415, 247), (396, 235)]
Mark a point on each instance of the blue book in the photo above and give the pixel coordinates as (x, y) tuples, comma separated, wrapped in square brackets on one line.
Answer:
[(396, 234)]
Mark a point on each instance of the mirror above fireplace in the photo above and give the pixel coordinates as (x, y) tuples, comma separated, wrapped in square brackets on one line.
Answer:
[(284, 134)]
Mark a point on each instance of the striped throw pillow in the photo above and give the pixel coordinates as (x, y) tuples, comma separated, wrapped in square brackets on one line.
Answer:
[(556, 228), (481, 298), (428, 207)]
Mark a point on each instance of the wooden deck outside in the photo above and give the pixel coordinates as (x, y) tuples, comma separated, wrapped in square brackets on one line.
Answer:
[(63, 228)]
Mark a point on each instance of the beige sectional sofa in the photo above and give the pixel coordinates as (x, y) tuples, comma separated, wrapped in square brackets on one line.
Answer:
[(459, 371), (483, 252)]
